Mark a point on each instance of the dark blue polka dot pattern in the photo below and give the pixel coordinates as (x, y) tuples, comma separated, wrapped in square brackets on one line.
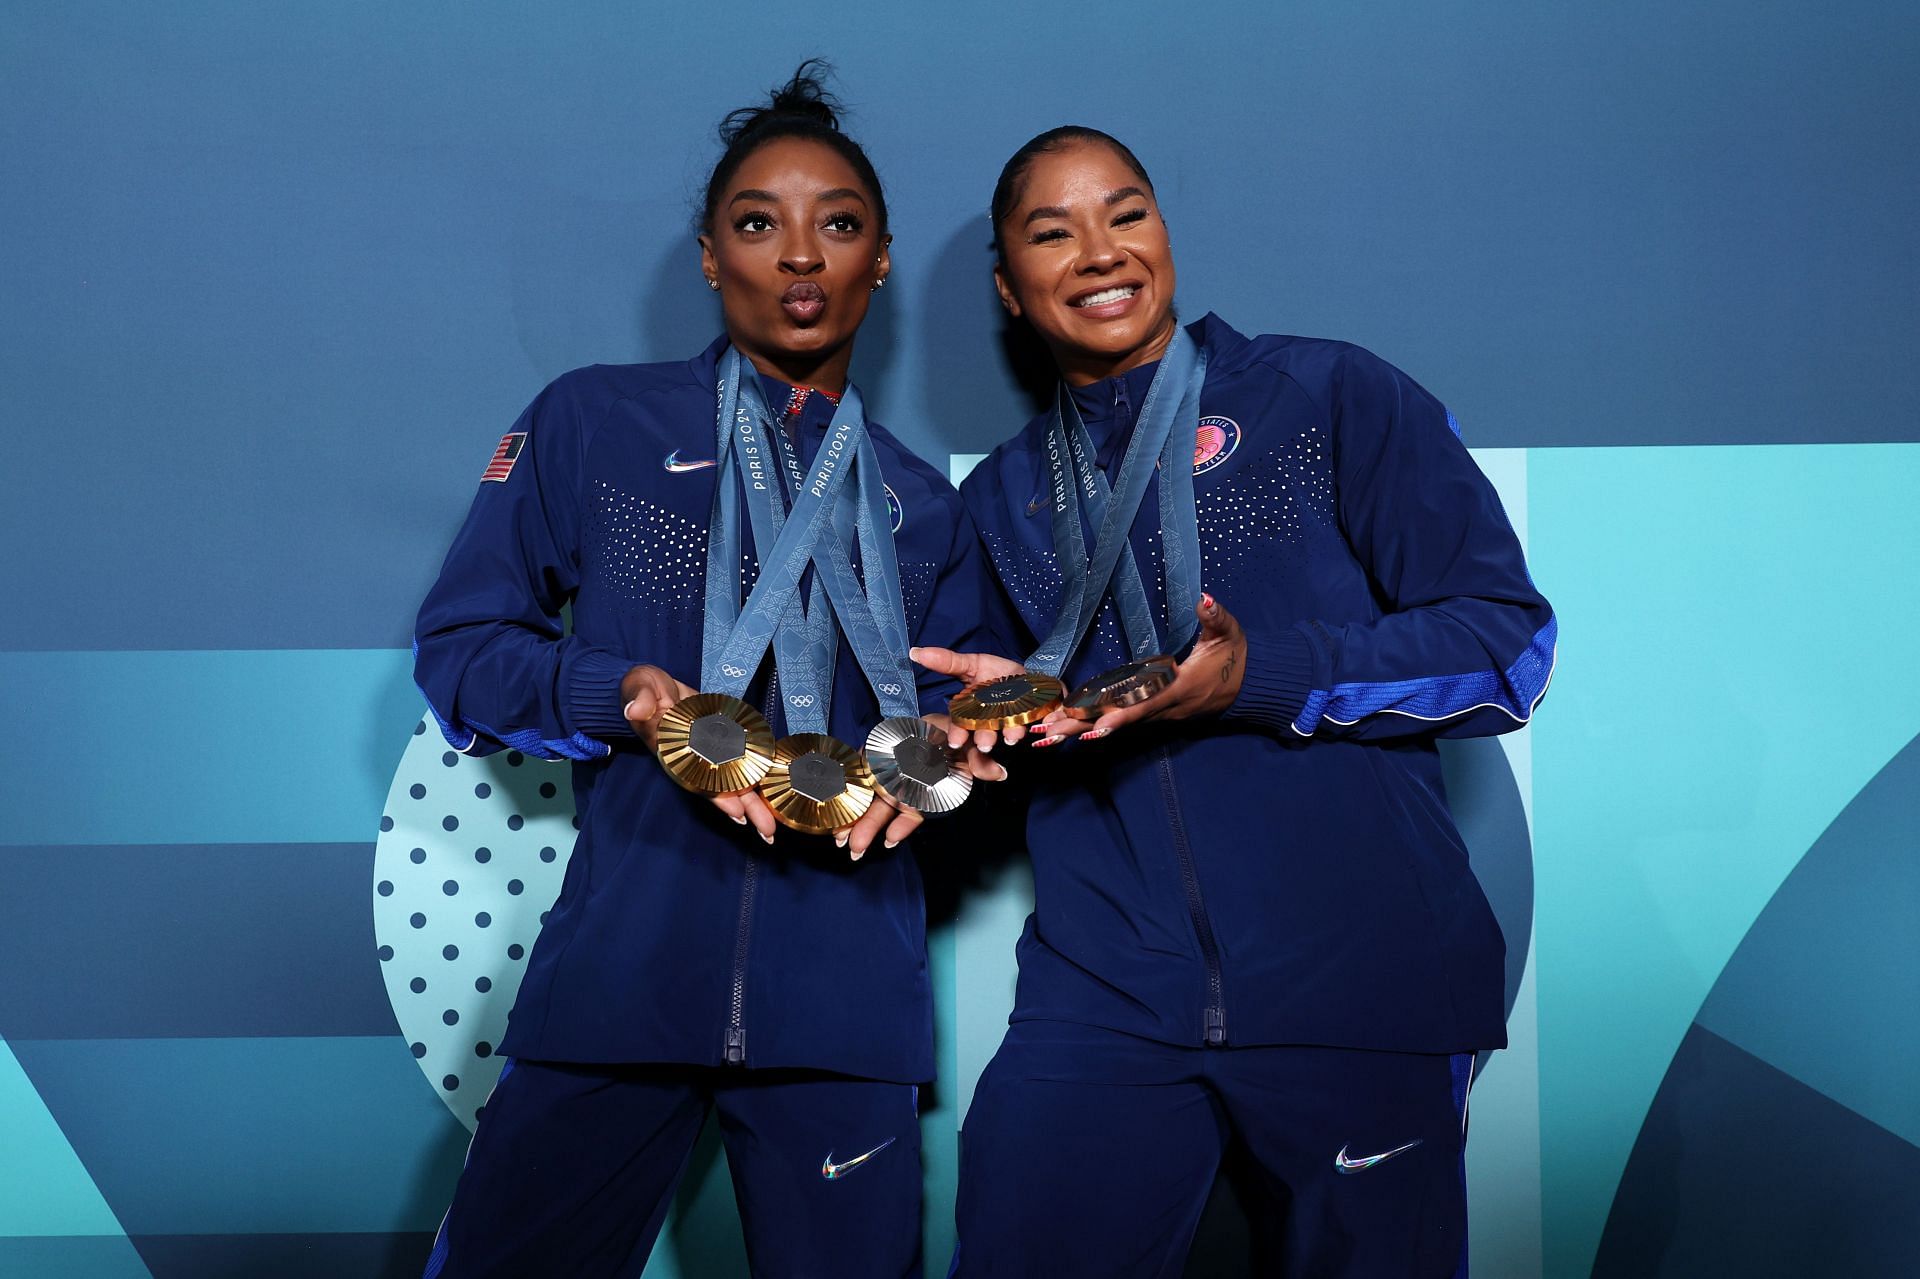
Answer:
[(501, 824)]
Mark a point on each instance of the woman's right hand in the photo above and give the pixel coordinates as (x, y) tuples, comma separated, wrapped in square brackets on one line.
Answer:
[(649, 692), (972, 669)]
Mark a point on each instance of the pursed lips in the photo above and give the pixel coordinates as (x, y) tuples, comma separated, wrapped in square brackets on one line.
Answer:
[(804, 300)]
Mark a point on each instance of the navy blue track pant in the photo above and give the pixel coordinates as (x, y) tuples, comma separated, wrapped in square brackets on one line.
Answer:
[(1088, 1152), (573, 1167)]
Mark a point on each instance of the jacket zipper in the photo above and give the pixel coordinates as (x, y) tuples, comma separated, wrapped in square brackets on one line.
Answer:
[(1216, 1010), (735, 1051)]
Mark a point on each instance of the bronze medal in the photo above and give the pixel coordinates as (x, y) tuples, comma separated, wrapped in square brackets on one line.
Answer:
[(1127, 685), (817, 783), (713, 744), (1018, 699)]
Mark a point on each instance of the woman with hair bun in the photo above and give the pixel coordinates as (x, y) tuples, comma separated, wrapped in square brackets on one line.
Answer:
[(729, 525), (1254, 921)]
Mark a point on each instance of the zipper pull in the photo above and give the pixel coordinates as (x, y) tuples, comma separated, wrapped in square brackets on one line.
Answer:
[(1216, 1027), (736, 1054)]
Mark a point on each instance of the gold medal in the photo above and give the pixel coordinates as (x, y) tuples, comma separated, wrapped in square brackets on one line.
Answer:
[(713, 744), (1127, 685), (817, 783), (1005, 703)]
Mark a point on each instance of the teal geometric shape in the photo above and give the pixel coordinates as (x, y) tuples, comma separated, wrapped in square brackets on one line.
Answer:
[(44, 1189), (287, 746), (1826, 986), (72, 1257), (1728, 681), (253, 1136)]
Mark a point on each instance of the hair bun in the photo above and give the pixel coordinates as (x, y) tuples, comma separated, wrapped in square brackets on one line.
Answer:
[(804, 97)]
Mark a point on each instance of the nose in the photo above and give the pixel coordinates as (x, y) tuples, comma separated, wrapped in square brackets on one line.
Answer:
[(800, 252), (1099, 254)]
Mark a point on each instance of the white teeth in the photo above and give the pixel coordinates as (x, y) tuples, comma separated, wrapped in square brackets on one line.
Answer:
[(1108, 295)]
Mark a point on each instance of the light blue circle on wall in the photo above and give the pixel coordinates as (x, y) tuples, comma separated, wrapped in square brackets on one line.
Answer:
[(469, 858)]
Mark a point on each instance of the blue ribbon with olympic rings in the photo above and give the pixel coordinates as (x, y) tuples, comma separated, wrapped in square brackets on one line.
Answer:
[(1163, 441)]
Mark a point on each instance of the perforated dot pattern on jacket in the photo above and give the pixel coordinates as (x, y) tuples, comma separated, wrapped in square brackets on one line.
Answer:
[(1266, 506), (643, 552)]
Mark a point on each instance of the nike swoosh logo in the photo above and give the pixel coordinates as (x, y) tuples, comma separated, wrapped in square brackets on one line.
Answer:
[(833, 1171), (678, 467), (1343, 1164)]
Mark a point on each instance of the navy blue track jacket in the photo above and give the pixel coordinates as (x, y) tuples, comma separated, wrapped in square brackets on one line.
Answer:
[(679, 936), (1288, 873)]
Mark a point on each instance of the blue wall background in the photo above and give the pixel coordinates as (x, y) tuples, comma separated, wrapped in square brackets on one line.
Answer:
[(272, 279)]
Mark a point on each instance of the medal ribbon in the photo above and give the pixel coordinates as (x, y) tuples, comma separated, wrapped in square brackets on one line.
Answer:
[(1162, 439), (753, 455)]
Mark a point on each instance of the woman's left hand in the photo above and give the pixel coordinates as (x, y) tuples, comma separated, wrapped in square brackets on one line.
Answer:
[(883, 815), (1206, 683)]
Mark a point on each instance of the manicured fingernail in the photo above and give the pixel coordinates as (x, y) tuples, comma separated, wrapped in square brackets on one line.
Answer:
[(987, 749), (857, 855), (913, 654), (629, 712), (1004, 774), (1206, 602), (893, 843), (739, 821), (767, 837), (1092, 733), (840, 841), (1048, 741)]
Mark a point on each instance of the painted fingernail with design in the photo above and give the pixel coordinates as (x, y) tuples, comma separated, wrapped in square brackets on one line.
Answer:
[(1048, 741), (1094, 734)]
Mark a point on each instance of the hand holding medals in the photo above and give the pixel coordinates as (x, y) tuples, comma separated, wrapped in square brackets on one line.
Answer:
[(804, 518), (1005, 698)]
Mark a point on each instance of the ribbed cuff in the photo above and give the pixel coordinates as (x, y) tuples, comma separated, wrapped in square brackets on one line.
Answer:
[(594, 706), (1278, 678)]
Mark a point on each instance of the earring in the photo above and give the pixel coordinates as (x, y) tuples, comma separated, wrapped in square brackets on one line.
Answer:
[(714, 285), (877, 283)]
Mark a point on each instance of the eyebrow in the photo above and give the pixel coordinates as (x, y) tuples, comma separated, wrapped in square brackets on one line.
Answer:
[(1055, 211), (768, 197)]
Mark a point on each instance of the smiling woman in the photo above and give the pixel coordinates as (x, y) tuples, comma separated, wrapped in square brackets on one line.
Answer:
[(680, 969), (1254, 923)]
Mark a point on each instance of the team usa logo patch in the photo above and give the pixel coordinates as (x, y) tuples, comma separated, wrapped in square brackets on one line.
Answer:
[(504, 457), (1214, 443), (896, 514)]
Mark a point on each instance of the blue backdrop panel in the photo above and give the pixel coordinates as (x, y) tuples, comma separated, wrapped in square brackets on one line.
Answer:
[(199, 941), (251, 1136), (1723, 694), (1789, 1141), (280, 276), (72, 1257), (283, 746)]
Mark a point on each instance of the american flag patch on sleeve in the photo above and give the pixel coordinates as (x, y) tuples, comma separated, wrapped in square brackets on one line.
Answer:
[(504, 457)]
